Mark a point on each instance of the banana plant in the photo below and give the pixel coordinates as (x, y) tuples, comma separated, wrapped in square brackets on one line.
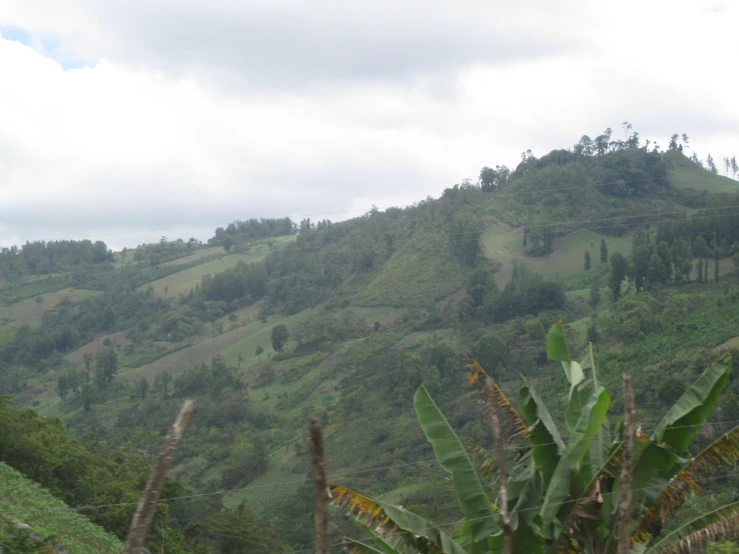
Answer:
[(562, 494)]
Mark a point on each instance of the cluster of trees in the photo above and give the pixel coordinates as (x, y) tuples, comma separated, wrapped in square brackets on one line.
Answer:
[(538, 243), (68, 325), (41, 257), (252, 229), (163, 251), (730, 164), (42, 450), (208, 379), (526, 293)]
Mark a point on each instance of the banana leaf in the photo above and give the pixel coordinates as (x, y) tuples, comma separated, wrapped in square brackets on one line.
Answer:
[(449, 451), (691, 537), (394, 524), (557, 350), (651, 464), (724, 451), (546, 443), (678, 427), (590, 420)]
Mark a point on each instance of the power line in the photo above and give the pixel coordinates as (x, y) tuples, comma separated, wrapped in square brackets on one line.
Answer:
[(332, 476), (517, 230), (505, 190)]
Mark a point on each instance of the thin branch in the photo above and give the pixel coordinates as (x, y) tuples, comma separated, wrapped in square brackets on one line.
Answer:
[(624, 507), (502, 477), (320, 488), (145, 510)]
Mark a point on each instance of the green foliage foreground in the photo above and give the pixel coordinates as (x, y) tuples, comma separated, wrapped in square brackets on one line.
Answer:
[(563, 494)]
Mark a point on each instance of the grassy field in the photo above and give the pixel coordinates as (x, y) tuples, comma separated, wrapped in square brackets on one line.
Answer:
[(423, 273), (31, 504), (685, 174), (244, 340), (29, 312), (182, 281), (197, 255), (568, 259)]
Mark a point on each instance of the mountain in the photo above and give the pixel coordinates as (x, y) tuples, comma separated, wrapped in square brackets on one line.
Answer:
[(111, 343)]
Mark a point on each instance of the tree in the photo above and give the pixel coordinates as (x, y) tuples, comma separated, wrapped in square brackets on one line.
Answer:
[(258, 352), (700, 271), (228, 244), (603, 251), (640, 257), (143, 388), (241, 532), (716, 263), (673, 142), (280, 336), (488, 179), (587, 260), (711, 165), (700, 248), (619, 270), (682, 257), (627, 127), (62, 387), (685, 140), (550, 516), (106, 368), (657, 272), (734, 167), (594, 295)]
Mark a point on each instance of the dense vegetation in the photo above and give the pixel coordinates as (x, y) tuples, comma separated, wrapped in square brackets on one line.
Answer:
[(274, 321)]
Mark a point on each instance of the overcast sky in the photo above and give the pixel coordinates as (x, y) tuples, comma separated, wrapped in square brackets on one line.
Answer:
[(126, 120)]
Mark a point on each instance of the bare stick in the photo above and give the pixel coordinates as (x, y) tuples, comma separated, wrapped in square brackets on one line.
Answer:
[(624, 506), (145, 510), (502, 478), (320, 489)]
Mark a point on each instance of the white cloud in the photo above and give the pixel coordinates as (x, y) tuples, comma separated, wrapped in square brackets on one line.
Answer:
[(160, 134)]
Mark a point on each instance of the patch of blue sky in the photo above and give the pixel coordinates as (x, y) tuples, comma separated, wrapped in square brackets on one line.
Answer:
[(46, 44)]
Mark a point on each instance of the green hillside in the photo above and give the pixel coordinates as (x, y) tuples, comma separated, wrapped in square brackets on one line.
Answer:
[(23, 501), (685, 174), (374, 307)]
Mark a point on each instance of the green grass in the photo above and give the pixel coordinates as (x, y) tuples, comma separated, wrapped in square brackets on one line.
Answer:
[(568, 258), (182, 281), (29, 312), (424, 271), (31, 504), (685, 174), (197, 255), (244, 340)]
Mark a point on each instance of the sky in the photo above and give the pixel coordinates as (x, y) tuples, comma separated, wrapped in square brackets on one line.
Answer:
[(126, 121)]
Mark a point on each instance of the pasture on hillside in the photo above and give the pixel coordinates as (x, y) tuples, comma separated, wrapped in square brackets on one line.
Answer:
[(182, 281), (568, 258), (29, 311), (243, 340), (685, 174)]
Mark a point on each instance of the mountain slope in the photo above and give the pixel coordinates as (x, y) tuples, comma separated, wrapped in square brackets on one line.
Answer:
[(24, 502), (376, 306)]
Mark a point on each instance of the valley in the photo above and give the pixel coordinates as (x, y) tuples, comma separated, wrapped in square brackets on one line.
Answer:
[(634, 251)]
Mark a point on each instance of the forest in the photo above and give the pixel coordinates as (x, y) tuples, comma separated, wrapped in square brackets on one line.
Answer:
[(625, 253)]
